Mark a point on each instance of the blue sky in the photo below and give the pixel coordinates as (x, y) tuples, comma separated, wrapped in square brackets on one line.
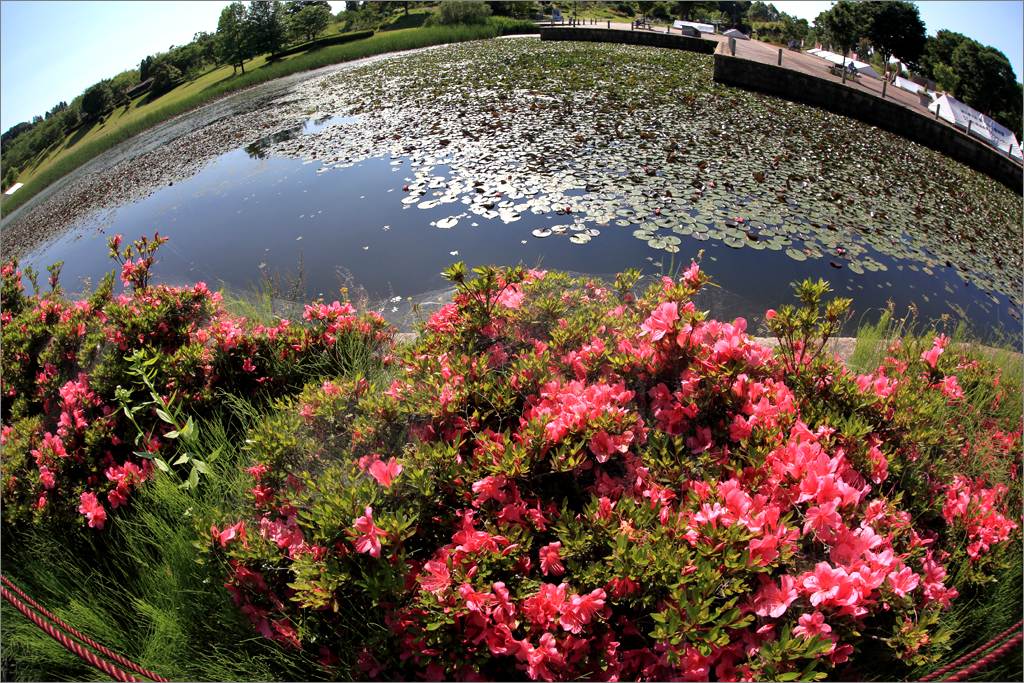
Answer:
[(51, 51)]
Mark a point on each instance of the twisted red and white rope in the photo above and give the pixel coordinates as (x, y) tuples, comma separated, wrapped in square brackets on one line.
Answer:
[(988, 659), (63, 638)]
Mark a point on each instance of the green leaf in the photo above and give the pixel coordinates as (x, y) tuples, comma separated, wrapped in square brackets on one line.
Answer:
[(146, 455), (788, 676), (173, 434), (182, 459), (188, 431), (164, 416), (161, 464), (201, 466)]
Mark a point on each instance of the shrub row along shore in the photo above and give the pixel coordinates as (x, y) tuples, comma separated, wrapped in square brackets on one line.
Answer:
[(170, 105), (560, 479)]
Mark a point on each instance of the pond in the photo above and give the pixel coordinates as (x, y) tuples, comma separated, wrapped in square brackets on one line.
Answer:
[(583, 157)]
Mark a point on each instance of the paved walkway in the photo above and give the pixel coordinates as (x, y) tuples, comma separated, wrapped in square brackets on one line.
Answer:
[(802, 62)]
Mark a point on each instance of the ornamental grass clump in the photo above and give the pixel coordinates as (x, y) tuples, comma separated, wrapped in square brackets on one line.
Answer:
[(98, 393), (567, 480)]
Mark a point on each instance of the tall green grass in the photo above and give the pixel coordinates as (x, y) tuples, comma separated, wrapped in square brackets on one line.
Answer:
[(144, 587), (390, 41), (985, 611), (144, 594)]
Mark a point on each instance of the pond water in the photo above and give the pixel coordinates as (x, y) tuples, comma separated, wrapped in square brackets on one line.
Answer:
[(395, 170)]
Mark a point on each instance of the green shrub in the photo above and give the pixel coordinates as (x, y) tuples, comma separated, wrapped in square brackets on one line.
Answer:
[(567, 481), (462, 12)]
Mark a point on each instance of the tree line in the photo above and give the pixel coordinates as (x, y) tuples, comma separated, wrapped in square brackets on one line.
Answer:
[(243, 32), (979, 75)]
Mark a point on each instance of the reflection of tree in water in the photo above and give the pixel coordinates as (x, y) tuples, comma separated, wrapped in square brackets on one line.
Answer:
[(259, 149)]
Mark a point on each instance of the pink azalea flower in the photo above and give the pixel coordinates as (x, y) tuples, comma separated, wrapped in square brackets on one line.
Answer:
[(46, 477), (369, 541), (931, 356), (436, 577), (810, 625), (230, 533), (93, 509), (904, 581), (550, 561), (951, 387), (660, 321), (823, 583), (691, 275), (772, 600), (385, 473), (580, 610)]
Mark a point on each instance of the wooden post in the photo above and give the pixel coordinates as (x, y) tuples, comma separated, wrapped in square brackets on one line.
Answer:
[(885, 82), (969, 122), (937, 108), (732, 46), (780, 56), (609, 23)]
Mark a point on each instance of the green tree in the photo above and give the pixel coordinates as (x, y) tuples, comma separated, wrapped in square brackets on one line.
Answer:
[(265, 26), (296, 6), (985, 78), (233, 42), (760, 11), (794, 29), (309, 22), (688, 10), (736, 11), (97, 100), (843, 27), (516, 8), (206, 45), (165, 76), (894, 28)]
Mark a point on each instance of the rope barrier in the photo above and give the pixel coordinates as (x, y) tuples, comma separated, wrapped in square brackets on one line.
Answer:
[(988, 659), (68, 644), (110, 654), (1003, 643), (938, 673)]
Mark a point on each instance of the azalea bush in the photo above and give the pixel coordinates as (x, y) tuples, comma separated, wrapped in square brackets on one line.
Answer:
[(99, 392), (568, 480)]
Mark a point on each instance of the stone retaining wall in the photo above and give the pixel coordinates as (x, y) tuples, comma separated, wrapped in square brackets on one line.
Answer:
[(596, 34), (836, 97)]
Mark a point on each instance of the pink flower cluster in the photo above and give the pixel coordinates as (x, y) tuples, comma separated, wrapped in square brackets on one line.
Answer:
[(628, 491)]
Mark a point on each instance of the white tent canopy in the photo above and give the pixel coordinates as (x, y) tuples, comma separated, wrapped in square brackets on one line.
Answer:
[(862, 68), (960, 114), (908, 85), (703, 28), (736, 33)]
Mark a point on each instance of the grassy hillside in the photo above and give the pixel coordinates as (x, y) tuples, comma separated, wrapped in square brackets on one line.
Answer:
[(144, 112)]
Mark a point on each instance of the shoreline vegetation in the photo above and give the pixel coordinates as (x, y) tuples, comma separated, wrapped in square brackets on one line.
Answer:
[(555, 464), (219, 82)]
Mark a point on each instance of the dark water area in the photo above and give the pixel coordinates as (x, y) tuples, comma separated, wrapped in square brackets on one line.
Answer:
[(248, 216)]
